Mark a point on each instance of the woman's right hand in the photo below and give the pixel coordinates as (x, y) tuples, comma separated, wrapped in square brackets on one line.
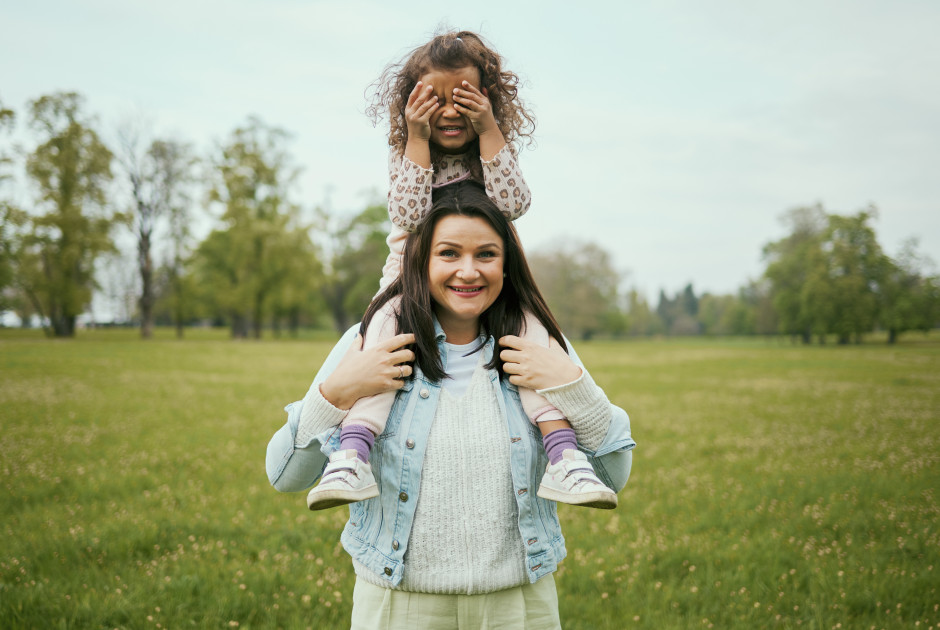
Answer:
[(363, 373)]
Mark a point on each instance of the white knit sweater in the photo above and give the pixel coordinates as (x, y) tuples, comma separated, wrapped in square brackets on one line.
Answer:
[(465, 536)]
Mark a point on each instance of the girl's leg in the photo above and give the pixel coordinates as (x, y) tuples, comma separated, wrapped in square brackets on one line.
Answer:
[(569, 478)]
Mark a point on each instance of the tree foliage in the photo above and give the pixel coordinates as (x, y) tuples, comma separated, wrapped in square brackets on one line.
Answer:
[(581, 286), (160, 178), (358, 249), (247, 261), (72, 225)]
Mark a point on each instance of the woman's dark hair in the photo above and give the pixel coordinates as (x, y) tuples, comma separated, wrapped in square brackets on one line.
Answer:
[(506, 316)]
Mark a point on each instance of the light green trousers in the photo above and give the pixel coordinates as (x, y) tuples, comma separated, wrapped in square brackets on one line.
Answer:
[(527, 607)]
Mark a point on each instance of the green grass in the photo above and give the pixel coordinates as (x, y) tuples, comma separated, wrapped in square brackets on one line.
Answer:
[(773, 487)]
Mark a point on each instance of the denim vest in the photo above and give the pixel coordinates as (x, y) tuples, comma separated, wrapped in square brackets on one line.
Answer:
[(378, 529)]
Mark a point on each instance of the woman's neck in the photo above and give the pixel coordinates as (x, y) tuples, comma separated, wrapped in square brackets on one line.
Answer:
[(459, 332)]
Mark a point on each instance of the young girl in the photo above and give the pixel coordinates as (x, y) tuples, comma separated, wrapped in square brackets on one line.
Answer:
[(454, 113)]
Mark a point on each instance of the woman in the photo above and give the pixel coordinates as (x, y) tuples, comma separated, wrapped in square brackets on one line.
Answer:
[(457, 536)]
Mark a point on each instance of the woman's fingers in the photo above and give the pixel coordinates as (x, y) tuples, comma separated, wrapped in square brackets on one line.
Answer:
[(396, 342)]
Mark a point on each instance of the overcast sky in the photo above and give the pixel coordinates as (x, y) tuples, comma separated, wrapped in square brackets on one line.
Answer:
[(674, 133)]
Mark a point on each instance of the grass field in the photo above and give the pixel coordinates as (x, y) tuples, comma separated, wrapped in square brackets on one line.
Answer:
[(773, 487)]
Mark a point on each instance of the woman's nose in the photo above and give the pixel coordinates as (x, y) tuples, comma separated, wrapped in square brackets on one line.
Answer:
[(468, 269)]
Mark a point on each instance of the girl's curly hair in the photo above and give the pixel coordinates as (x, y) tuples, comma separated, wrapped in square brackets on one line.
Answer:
[(450, 51)]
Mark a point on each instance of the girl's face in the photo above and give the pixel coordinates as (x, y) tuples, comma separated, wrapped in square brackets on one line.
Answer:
[(465, 274), (451, 132)]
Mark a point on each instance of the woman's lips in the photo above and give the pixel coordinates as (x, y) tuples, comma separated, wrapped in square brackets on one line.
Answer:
[(466, 291)]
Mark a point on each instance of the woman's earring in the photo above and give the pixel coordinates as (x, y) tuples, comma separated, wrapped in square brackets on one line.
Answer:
[(504, 274)]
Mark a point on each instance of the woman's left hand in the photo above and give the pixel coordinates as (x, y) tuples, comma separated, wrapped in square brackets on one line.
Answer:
[(535, 366)]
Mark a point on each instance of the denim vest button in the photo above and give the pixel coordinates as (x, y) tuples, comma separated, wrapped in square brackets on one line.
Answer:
[(395, 545), (424, 393), (403, 496), (410, 443), (388, 570)]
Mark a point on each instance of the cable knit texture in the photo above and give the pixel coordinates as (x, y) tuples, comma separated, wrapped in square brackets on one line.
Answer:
[(586, 407), (465, 538), (317, 415)]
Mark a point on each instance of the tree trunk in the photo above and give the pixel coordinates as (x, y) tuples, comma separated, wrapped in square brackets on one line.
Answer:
[(257, 315), (293, 321), (146, 281), (178, 303), (239, 326), (892, 335)]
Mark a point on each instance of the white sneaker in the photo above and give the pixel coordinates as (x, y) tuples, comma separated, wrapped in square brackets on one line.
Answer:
[(572, 480), (346, 479)]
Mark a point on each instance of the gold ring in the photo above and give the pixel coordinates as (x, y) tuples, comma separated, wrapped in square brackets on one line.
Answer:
[(401, 373)]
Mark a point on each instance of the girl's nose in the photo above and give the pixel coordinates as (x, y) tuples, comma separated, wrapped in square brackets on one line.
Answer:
[(448, 110)]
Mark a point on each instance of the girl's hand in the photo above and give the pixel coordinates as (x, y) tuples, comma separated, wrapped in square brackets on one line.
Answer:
[(363, 373), (535, 366), (476, 106), (421, 104)]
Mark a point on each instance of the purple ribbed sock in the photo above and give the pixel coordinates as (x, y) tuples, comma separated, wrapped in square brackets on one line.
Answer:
[(557, 442), (358, 438)]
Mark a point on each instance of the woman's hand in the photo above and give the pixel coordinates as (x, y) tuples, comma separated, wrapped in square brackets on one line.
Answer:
[(535, 366), (363, 373)]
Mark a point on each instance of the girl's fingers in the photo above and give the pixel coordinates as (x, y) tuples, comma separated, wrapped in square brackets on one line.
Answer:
[(415, 93), (427, 108)]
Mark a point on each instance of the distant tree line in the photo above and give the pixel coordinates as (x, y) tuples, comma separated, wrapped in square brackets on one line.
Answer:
[(267, 264)]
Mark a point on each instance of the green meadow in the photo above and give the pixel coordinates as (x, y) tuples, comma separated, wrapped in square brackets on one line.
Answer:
[(773, 486)]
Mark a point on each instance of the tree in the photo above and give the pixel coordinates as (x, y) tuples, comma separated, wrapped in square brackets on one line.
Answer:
[(841, 293), (909, 298), (71, 169), (358, 250), (580, 284), (679, 314), (790, 263), (10, 219), (248, 257), (641, 319), (160, 178)]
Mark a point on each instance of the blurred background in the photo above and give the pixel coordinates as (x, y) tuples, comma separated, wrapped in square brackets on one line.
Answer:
[(718, 168)]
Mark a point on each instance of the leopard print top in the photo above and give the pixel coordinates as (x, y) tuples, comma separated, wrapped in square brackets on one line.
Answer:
[(409, 192)]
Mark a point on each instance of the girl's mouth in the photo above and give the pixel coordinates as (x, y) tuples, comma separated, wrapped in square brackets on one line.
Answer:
[(451, 131)]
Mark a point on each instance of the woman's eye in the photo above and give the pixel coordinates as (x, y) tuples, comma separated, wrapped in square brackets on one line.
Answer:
[(487, 254), (448, 253)]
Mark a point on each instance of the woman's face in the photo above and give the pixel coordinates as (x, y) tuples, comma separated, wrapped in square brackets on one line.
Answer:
[(465, 274)]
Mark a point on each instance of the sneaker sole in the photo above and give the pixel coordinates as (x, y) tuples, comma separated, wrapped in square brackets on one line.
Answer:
[(331, 498), (599, 500)]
